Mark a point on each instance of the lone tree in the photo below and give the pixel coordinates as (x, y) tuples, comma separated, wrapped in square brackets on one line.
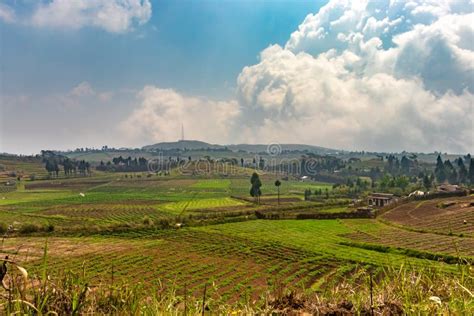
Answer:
[(277, 184), (427, 182), (255, 188)]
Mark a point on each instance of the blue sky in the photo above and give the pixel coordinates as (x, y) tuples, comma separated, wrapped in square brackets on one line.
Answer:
[(194, 46), (373, 75)]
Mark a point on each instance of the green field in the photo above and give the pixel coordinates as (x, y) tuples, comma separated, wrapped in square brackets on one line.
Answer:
[(109, 223), (200, 204), (212, 184)]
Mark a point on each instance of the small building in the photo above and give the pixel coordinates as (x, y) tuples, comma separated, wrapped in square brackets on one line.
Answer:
[(449, 188), (416, 193), (380, 199)]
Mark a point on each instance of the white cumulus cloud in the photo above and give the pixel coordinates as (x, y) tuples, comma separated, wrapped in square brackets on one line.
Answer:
[(162, 112), (116, 16), (301, 98), (378, 75)]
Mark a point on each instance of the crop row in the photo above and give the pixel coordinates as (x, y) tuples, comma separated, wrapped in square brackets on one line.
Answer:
[(179, 207), (320, 237), (176, 262), (425, 242), (242, 259), (432, 215), (110, 212)]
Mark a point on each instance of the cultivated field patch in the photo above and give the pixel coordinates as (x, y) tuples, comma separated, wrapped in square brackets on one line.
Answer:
[(240, 269), (199, 204), (446, 216), (434, 243), (220, 184)]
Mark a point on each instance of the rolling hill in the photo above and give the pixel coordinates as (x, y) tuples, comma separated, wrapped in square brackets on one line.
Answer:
[(252, 148)]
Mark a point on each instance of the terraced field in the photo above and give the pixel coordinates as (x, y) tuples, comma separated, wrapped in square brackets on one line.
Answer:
[(21, 166), (200, 204), (239, 269), (400, 238), (242, 259), (445, 216), (118, 213), (122, 199), (124, 228)]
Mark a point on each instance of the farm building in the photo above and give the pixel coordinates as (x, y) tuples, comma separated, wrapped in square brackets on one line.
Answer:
[(416, 193), (380, 199), (449, 188)]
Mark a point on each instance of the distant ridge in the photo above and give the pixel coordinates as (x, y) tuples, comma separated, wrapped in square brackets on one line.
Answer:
[(182, 144), (252, 148)]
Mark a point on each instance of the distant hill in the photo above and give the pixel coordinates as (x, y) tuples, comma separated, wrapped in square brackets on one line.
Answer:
[(256, 148), (252, 148), (183, 144)]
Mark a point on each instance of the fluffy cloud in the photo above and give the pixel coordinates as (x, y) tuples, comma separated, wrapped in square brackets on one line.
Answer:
[(116, 16), (162, 111), (375, 75), (432, 40), (341, 20), (301, 98)]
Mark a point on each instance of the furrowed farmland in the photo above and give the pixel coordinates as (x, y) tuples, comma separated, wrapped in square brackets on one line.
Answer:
[(185, 236)]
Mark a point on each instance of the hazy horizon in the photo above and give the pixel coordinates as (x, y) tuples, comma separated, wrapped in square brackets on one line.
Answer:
[(281, 145), (382, 76)]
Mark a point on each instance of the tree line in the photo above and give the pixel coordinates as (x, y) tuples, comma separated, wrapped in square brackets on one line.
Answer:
[(70, 167), (121, 164), (455, 173)]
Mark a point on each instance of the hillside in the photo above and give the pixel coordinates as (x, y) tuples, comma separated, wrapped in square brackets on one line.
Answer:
[(251, 148), (182, 144)]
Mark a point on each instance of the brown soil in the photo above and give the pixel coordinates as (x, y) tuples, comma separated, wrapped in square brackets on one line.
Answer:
[(452, 215), (76, 184)]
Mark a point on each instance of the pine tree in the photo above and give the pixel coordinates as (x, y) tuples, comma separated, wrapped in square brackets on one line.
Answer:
[(255, 188), (471, 172), (439, 170), (462, 174)]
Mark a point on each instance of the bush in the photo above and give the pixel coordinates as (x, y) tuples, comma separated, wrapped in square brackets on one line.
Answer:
[(49, 228), (3, 228), (29, 228), (164, 223)]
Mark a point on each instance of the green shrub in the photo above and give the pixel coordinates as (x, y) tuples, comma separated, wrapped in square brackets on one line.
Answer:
[(29, 228), (164, 223), (3, 228), (49, 228)]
